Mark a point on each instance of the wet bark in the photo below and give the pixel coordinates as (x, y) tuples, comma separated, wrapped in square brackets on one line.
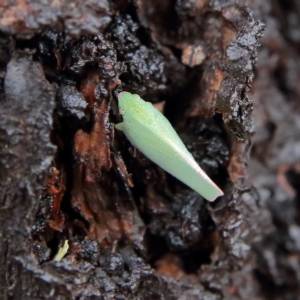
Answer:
[(227, 83)]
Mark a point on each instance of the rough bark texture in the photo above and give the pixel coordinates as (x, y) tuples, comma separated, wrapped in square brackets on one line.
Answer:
[(135, 232)]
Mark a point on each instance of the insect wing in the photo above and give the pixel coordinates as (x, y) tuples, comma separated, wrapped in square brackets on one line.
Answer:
[(171, 157)]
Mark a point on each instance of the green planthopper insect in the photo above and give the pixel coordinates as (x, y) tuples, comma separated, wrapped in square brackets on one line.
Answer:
[(149, 131)]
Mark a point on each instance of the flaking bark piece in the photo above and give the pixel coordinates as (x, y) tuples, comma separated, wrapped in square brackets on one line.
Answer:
[(94, 149), (121, 167), (94, 182), (55, 189), (49, 217)]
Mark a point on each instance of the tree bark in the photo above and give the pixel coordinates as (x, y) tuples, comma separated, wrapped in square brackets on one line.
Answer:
[(134, 231)]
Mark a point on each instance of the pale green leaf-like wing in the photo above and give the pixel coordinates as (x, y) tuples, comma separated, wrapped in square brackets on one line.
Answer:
[(164, 150), (164, 126)]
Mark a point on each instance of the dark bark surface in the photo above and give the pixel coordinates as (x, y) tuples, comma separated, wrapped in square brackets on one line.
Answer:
[(135, 232)]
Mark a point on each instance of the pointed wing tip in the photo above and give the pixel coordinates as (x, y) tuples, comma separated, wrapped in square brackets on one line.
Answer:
[(218, 194)]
